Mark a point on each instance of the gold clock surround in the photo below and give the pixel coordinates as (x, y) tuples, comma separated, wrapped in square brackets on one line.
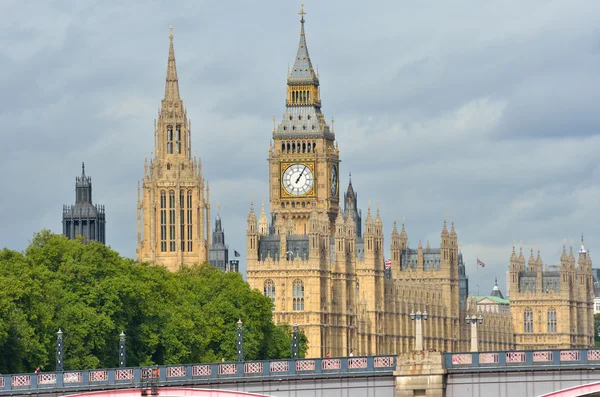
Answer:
[(283, 193)]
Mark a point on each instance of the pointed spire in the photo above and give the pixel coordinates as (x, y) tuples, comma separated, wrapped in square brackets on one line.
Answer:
[(395, 229), (172, 84), (303, 68), (444, 229), (428, 246), (83, 176), (582, 249)]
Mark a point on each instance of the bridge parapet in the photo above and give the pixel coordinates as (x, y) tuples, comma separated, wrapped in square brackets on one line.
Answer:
[(516, 360), (187, 374)]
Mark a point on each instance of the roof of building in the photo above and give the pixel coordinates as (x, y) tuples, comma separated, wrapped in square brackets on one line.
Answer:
[(496, 290), (496, 299)]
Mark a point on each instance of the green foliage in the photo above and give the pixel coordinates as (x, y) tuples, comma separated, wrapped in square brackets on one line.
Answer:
[(93, 294)]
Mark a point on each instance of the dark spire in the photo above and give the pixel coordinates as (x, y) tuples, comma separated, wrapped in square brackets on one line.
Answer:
[(303, 68)]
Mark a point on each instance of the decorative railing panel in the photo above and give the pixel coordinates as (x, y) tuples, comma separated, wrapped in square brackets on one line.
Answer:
[(98, 376), (489, 358), (593, 355), (570, 355), (305, 365), (279, 366), (515, 357), (72, 377), (462, 359), (176, 372), (255, 367), (227, 369), (357, 363), (384, 362), (20, 380), (542, 357), (46, 379), (123, 374), (150, 373), (331, 363), (201, 370)]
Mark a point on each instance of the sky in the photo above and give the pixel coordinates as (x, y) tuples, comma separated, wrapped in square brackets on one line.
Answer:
[(484, 111)]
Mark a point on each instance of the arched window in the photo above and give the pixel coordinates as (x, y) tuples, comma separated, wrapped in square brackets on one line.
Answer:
[(172, 221), (293, 147), (170, 139), (168, 166), (528, 321), (163, 221), (189, 220), (282, 147), (178, 139), (269, 290), (182, 228), (298, 295), (308, 147), (551, 320)]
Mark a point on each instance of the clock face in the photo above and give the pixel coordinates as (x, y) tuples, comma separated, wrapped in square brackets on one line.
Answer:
[(334, 180), (298, 179)]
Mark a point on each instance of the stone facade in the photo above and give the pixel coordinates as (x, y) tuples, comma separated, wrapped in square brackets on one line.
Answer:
[(552, 308), (173, 203), (84, 218), (327, 273)]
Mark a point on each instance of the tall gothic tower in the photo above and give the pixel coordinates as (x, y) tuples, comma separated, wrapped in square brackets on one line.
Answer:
[(84, 218), (303, 160), (173, 204)]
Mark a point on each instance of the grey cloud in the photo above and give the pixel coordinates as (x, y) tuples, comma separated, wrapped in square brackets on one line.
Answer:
[(481, 111)]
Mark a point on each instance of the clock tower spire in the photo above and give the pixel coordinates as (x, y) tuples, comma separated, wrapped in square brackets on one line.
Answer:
[(304, 161)]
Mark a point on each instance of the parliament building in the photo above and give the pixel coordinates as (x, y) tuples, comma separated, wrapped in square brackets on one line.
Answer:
[(323, 270)]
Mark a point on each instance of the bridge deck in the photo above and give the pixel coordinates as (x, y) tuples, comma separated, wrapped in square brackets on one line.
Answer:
[(192, 374), (522, 360)]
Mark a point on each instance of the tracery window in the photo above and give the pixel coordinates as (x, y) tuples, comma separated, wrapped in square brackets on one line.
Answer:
[(552, 320), (172, 221), (163, 221), (298, 295), (182, 228), (528, 321), (170, 139), (178, 139), (269, 290), (189, 220)]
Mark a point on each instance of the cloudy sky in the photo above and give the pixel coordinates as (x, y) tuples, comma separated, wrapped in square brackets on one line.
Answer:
[(486, 111)]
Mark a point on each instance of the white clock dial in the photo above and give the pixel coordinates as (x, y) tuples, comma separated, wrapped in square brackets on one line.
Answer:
[(298, 179)]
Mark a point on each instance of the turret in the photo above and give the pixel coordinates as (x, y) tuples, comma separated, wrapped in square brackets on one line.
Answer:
[(252, 234), (395, 247), (263, 222), (403, 238), (445, 248), (369, 237)]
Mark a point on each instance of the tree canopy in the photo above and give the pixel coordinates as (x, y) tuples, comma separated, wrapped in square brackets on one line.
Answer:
[(92, 294)]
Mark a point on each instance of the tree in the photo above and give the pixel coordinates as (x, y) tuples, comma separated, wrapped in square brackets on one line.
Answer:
[(93, 294), (597, 329)]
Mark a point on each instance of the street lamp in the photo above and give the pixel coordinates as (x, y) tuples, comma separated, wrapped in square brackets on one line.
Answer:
[(474, 320), (419, 327), (295, 344), (240, 341), (59, 351), (122, 357)]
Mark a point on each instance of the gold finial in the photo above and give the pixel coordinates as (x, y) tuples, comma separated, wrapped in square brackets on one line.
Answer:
[(332, 124), (218, 208), (403, 219), (395, 217), (170, 32), (273, 123), (302, 13)]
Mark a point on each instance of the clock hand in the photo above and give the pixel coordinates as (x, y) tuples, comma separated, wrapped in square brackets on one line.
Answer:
[(300, 176)]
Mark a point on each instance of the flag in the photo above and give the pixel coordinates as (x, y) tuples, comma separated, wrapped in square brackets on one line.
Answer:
[(388, 264), (480, 263), (236, 254)]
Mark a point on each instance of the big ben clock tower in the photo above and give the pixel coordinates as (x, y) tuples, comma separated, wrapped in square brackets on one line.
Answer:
[(303, 161)]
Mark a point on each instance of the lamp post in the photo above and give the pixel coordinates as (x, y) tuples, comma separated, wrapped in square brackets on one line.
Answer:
[(474, 320), (295, 344), (240, 341), (418, 316), (59, 351), (122, 357)]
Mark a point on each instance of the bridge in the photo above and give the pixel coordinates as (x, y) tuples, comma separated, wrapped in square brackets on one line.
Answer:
[(548, 373)]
